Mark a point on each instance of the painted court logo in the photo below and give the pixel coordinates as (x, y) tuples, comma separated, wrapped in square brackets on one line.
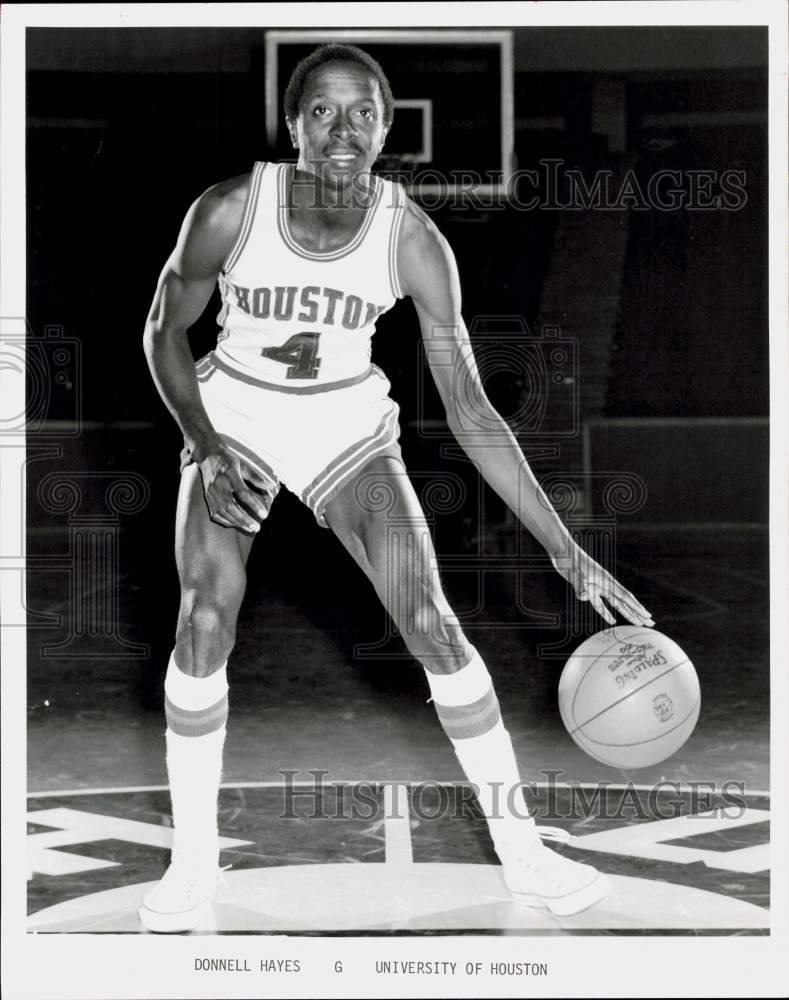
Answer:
[(93, 856), (663, 707)]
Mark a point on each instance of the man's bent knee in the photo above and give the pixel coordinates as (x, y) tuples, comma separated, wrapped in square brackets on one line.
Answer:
[(438, 642), (205, 637)]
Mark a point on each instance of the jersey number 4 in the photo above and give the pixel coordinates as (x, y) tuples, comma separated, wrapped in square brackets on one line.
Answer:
[(299, 353)]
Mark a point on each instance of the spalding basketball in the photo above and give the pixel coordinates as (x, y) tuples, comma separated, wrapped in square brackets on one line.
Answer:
[(629, 696)]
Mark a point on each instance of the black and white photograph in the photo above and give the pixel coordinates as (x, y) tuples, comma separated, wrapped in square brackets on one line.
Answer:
[(394, 500)]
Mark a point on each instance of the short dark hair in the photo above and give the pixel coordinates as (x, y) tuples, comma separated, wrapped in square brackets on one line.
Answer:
[(336, 53)]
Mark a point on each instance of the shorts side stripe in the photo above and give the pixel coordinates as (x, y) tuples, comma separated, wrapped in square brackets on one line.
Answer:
[(389, 448), (342, 459), (251, 458), (250, 207), (344, 466)]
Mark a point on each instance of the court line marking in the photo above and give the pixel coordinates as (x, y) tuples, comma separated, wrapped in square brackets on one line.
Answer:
[(667, 785), (397, 826)]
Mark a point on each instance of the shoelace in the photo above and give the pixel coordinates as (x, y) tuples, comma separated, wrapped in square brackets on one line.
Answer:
[(549, 833), (182, 865), (556, 871), (554, 833)]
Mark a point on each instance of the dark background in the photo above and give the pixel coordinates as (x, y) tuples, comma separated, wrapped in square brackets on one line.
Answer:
[(667, 309), (128, 127)]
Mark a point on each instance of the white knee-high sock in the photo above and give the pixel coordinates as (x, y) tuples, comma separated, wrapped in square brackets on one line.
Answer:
[(469, 712), (196, 713)]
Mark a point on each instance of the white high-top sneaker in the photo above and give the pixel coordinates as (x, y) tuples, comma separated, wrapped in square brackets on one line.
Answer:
[(537, 876), (181, 901)]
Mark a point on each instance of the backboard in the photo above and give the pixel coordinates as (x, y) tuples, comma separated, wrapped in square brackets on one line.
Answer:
[(453, 126)]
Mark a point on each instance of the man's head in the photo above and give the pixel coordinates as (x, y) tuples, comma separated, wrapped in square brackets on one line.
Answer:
[(338, 108)]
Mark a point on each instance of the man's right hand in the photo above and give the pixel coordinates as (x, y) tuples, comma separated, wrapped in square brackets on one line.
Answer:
[(229, 483)]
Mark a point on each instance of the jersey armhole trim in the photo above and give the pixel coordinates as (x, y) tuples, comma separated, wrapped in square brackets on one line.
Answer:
[(394, 243), (247, 218)]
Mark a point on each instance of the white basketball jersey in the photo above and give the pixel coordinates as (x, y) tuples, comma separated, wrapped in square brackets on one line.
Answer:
[(295, 317)]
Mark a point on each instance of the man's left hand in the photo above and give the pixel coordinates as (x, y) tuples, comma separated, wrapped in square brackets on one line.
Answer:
[(594, 584)]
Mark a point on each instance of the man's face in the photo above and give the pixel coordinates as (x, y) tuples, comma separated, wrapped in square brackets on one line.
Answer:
[(339, 132)]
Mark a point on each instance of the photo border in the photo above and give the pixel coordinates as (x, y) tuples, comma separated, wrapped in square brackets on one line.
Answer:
[(108, 966)]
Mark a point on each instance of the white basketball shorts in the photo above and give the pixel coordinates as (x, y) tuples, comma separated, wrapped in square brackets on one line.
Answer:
[(314, 440)]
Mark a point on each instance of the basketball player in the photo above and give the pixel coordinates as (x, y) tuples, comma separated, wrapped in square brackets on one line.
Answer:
[(306, 259)]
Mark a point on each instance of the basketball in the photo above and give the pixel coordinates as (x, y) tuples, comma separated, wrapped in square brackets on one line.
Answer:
[(629, 696)]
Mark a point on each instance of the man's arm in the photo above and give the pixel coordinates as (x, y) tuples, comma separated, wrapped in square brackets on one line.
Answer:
[(184, 289), (428, 273)]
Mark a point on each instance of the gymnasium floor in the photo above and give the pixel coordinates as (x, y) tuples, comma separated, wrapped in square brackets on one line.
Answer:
[(381, 838)]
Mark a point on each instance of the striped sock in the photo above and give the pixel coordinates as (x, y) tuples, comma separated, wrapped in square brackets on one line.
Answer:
[(196, 713), (469, 713)]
